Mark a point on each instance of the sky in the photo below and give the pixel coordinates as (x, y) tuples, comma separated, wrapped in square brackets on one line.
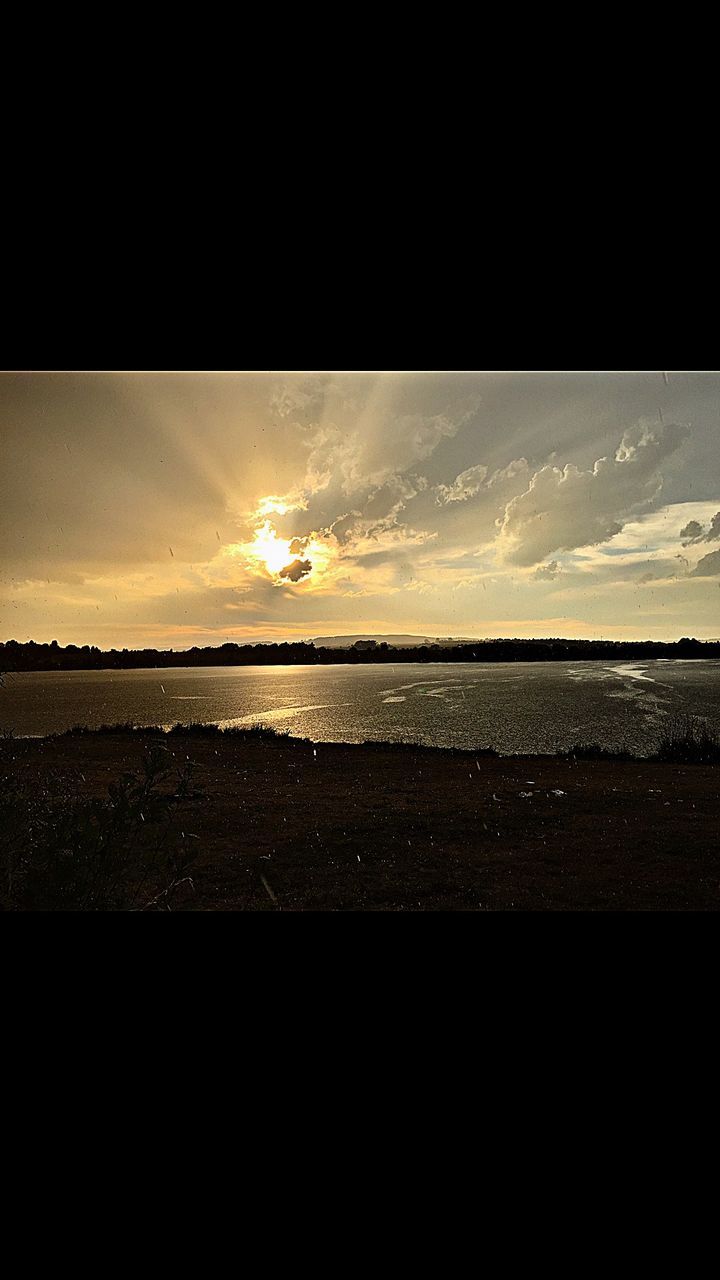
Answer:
[(192, 507)]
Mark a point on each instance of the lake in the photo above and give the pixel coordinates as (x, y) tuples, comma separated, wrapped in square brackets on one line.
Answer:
[(515, 708)]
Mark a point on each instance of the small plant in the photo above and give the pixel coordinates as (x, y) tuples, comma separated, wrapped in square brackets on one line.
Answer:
[(688, 740), (195, 731), (6, 734), (60, 851), (187, 788), (593, 751)]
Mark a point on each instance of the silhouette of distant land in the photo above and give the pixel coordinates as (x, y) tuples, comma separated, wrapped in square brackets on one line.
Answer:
[(395, 642), (16, 657)]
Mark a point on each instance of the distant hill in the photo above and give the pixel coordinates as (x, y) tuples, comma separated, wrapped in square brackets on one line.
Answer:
[(397, 642)]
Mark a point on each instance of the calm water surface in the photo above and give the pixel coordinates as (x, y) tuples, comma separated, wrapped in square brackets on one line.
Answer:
[(518, 707)]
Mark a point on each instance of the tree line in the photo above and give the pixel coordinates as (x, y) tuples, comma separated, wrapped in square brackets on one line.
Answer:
[(15, 656)]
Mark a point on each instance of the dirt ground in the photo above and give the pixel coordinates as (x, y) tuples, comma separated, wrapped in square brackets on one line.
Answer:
[(285, 826)]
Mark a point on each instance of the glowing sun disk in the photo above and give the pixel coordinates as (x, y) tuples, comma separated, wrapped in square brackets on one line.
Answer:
[(272, 554), (270, 550)]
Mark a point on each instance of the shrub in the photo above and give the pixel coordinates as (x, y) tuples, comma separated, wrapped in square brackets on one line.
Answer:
[(60, 851), (593, 751), (688, 740)]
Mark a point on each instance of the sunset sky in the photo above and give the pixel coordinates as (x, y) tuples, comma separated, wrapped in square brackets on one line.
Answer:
[(194, 507)]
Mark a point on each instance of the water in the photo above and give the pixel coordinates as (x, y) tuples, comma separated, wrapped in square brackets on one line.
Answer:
[(515, 708)]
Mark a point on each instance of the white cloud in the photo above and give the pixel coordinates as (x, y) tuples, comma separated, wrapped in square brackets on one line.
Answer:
[(520, 467), (368, 459), (467, 485), (563, 510), (351, 452)]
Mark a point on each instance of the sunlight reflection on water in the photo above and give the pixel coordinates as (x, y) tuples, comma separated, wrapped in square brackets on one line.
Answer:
[(524, 707)]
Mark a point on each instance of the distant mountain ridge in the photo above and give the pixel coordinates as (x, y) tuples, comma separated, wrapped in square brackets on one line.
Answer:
[(397, 642)]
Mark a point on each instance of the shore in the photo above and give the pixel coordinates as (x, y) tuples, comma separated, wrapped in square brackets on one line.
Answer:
[(281, 825)]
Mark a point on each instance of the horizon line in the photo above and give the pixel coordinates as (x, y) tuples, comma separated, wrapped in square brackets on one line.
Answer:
[(426, 641)]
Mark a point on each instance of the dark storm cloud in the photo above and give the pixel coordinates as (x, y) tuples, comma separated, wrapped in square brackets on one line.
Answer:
[(296, 571), (696, 532), (693, 532), (714, 532)]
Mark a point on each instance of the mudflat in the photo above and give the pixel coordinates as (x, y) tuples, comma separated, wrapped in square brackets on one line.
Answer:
[(283, 825)]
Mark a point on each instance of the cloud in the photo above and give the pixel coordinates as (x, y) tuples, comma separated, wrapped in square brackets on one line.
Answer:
[(375, 559), (354, 438), (519, 467), (379, 520), (709, 566), (303, 400), (296, 571), (280, 506), (714, 532), (693, 532), (696, 532), (467, 485), (376, 479), (563, 510), (548, 572), (360, 460)]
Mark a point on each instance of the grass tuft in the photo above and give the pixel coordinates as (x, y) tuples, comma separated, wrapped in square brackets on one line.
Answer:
[(63, 851), (688, 740)]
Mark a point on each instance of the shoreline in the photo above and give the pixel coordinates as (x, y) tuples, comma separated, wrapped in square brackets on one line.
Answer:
[(690, 742), (274, 823), (262, 732), (400, 660)]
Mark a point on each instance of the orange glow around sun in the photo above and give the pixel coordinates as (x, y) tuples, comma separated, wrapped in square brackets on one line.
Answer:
[(269, 553)]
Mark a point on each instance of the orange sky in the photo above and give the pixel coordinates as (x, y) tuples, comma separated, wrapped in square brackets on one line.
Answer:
[(189, 507)]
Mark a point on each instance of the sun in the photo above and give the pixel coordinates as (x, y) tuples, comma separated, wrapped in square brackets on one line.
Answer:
[(305, 559), (270, 551)]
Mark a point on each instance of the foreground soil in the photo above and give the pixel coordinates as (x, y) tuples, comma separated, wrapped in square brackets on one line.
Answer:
[(285, 826)]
